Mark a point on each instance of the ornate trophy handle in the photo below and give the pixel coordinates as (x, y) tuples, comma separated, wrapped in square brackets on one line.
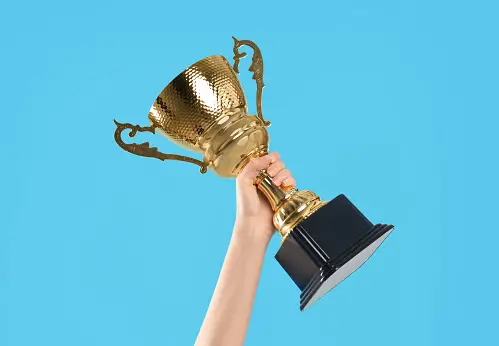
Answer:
[(257, 69), (145, 150)]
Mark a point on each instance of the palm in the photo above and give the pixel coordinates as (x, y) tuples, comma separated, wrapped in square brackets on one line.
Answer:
[(254, 205)]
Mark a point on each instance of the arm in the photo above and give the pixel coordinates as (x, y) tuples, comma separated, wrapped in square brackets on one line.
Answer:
[(229, 312), (228, 315)]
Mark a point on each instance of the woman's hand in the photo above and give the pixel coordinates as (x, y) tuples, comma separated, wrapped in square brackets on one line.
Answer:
[(252, 206)]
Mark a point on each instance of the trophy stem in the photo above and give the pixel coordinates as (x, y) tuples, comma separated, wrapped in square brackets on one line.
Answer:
[(276, 195), (290, 205)]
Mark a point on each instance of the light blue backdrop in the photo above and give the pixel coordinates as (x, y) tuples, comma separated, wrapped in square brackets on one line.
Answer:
[(394, 103)]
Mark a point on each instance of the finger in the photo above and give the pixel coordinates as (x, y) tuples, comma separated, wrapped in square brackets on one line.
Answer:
[(281, 176), (255, 165), (289, 182), (275, 155), (275, 168)]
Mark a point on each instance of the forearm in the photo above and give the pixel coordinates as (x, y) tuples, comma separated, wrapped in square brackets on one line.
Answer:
[(228, 315)]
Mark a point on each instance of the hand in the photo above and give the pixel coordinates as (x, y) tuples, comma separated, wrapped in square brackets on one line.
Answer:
[(252, 206)]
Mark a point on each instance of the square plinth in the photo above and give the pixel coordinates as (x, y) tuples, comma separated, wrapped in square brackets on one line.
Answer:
[(327, 247)]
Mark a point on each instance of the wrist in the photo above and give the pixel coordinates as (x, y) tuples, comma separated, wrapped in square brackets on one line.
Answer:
[(253, 229)]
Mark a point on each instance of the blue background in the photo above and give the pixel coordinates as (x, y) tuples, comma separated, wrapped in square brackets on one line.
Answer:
[(394, 103)]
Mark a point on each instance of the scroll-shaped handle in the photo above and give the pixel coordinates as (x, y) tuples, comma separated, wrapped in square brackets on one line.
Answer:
[(257, 69), (144, 149)]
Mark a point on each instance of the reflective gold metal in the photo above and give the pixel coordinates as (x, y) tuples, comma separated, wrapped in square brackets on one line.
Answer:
[(257, 69), (290, 205), (144, 149), (204, 110)]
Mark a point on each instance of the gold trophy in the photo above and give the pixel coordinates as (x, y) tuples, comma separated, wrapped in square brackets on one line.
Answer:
[(204, 110)]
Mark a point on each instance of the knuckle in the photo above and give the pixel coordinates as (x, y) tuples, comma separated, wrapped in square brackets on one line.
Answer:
[(275, 168)]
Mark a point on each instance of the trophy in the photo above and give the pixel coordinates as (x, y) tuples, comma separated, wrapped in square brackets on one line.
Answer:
[(204, 110)]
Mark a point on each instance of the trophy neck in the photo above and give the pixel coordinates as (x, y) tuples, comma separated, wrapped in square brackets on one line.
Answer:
[(232, 140), (275, 194), (290, 206)]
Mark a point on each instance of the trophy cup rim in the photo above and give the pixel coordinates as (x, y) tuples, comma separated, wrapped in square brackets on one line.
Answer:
[(196, 63)]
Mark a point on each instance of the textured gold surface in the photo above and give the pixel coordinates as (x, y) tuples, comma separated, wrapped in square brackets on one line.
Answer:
[(204, 110), (195, 100)]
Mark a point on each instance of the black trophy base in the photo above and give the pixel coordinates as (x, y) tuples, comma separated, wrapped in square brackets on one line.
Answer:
[(326, 248)]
